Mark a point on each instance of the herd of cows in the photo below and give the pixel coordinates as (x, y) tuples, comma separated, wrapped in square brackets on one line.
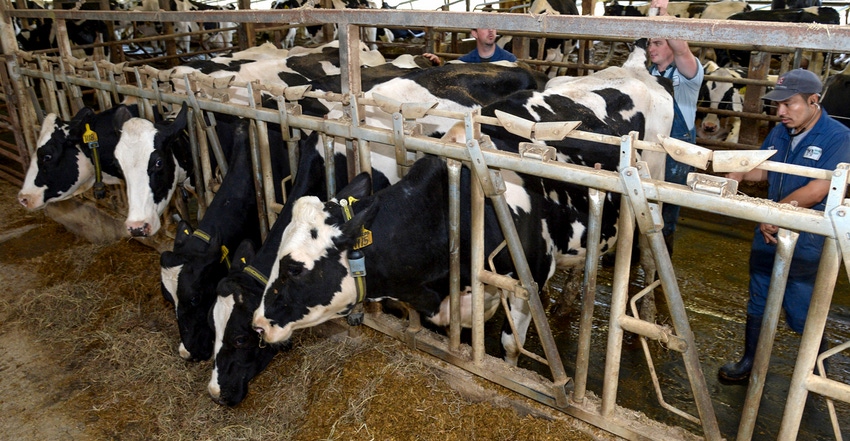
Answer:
[(238, 299)]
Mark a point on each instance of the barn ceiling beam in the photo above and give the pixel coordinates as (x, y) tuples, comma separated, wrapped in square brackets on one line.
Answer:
[(760, 34)]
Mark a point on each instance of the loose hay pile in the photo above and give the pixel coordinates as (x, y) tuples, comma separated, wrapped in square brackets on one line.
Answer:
[(104, 364)]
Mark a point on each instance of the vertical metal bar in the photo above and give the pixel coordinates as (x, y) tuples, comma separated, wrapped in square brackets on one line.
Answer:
[(265, 162), (619, 298), (258, 181), (596, 200), (454, 254), (330, 167), (619, 287), (200, 188), (787, 240), (810, 342), (675, 304), (476, 266)]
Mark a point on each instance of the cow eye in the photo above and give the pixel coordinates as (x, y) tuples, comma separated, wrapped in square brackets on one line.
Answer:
[(240, 342), (158, 164), (47, 158), (295, 270)]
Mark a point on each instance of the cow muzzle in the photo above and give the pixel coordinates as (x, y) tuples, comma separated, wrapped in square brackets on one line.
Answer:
[(139, 229)]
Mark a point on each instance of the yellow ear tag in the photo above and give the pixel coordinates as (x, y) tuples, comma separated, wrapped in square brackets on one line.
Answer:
[(89, 136)]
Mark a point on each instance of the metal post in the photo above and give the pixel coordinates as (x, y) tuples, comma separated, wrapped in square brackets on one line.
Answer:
[(787, 240), (810, 342), (652, 231), (454, 254), (476, 266), (596, 200)]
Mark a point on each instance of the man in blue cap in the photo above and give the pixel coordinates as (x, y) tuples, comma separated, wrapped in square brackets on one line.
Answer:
[(809, 137)]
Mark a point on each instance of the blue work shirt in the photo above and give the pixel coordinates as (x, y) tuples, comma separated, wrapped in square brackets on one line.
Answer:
[(825, 146), (499, 55)]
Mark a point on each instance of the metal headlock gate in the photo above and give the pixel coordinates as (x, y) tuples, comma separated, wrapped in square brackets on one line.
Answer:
[(64, 77)]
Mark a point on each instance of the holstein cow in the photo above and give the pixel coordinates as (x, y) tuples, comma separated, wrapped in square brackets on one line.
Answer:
[(238, 353), (200, 258), (806, 15), (705, 10), (720, 96), (62, 165), (836, 95), (155, 159), (311, 282), (238, 357)]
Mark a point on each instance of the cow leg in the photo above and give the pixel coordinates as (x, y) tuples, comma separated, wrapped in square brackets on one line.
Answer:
[(520, 315)]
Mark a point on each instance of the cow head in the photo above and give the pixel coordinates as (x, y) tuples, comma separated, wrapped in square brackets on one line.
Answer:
[(188, 281), (59, 169), (239, 354), (146, 154), (310, 281), (721, 96)]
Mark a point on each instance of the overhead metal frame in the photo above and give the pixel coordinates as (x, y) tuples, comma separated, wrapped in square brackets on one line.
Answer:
[(647, 190)]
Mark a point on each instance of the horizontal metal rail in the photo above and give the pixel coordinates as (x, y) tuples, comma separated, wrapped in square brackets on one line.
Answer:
[(761, 34)]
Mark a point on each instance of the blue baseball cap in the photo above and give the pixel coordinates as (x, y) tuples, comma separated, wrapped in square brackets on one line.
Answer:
[(794, 82)]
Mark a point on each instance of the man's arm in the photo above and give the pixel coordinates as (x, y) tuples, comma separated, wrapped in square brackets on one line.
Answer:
[(685, 61)]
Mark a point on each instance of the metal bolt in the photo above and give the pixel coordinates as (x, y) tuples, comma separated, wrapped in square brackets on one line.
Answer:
[(744, 162), (628, 172), (841, 213)]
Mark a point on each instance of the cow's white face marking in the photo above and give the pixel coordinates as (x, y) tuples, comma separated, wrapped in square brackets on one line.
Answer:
[(169, 278), (133, 152), (222, 310)]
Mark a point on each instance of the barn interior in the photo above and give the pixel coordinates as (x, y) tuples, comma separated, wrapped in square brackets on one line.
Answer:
[(594, 367)]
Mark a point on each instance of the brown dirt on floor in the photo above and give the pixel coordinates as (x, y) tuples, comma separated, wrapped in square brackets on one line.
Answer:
[(88, 352)]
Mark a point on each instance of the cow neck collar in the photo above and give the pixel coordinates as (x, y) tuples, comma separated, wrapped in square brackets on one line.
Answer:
[(204, 236), (356, 258)]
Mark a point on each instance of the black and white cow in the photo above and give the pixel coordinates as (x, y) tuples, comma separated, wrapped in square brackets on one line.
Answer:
[(155, 159), (311, 281), (705, 10), (721, 96), (200, 258), (238, 356), (836, 95), (814, 14), (62, 165)]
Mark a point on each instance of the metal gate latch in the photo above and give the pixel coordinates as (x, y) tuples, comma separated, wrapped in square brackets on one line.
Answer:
[(710, 184)]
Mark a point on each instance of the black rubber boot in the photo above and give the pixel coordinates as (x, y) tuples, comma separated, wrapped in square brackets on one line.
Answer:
[(668, 240), (740, 371)]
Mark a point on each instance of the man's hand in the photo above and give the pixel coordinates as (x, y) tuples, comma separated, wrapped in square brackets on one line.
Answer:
[(658, 5), (433, 58), (769, 232)]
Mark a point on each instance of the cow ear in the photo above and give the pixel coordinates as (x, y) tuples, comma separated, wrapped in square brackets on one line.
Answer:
[(242, 256), (184, 232), (121, 116), (179, 123), (353, 229), (77, 125), (359, 187)]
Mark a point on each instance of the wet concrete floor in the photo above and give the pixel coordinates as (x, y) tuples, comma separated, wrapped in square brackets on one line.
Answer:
[(710, 261)]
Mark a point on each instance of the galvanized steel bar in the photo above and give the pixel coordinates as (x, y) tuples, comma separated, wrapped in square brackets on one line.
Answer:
[(804, 35), (596, 200), (675, 304), (476, 265), (454, 167), (265, 166), (257, 173), (786, 242), (810, 342)]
